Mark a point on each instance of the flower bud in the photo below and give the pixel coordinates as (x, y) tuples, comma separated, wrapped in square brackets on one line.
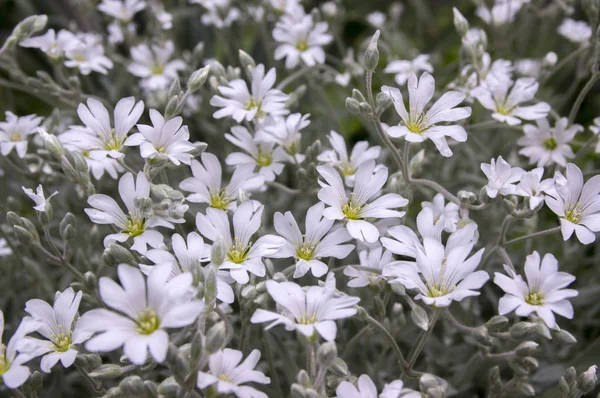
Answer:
[(517, 367), (530, 363), (564, 387), (543, 330), (67, 227), (466, 196), (419, 317), (171, 108), (218, 252), (526, 348), (116, 254), (210, 288), (357, 95), (460, 22), (428, 381), (303, 378), (571, 376), (526, 389), (215, 338), (497, 323), (587, 380), (249, 292), (339, 368), (326, 354), (550, 59), (106, 372), (365, 108), (522, 329), (199, 148), (13, 218), (90, 280), (198, 78), (297, 391), (372, 53), (52, 143), (382, 102), (24, 236), (246, 60), (436, 392), (174, 89), (563, 336), (353, 106)]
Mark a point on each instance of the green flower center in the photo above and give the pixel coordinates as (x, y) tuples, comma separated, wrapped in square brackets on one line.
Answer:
[(306, 251), (219, 200), (534, 298), (503, 109), (147, 322), (347, 169), (112, 143), (302, 45), (439, 290), (226, 378), (238, 254), (574, 214), (158, 70), (252, 104), (352, 210), (135, 226), (550, 144), (4, 363), (16, 136), (305, 320), (62, 342), (264, 159)]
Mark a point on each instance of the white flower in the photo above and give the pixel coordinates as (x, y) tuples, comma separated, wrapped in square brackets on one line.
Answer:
[(376, 19), (51, 43), (264, 156), (123, 10), (501, 177), (242, 255), (220, 13), (41, 202), (207, 185), (55, 323), (12, 371), (115, 32), (240, 104), (575, 31), (441, 276), (447, 214), (154, 65), (577, 205), (165, 139), (136, 223), (301, 39), (229, 375), (529, 67), (595, 128), (500, 71), (532, 187), (308, 310), (338, 156), (318, 241), (365, 388), (188, 255), (87, 55), (403, 69), (377, 258), (15, 131), (363, 203), (99, 138), (286, 132), (545, 145), (503, 12), (5, 249), (494, 96), (418, 125), (143, 310), (543, 293)]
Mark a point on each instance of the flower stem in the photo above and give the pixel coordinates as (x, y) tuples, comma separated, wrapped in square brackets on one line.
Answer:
[(422, 340), (586, 89), (533, 235)]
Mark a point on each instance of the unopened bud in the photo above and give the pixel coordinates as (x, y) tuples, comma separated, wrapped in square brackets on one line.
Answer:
[(13, 218), (24, 236), (297, 391), (218, 252), (357, 95), (372, 53), (353, 106), (497, 323), (365, 108), (303, 378), (466, 196), (522, 329), (210, 287), (339, 368), (587, 380), (52, 143), (246, 60), (460, 22), (116, 254), (171, 108), (428, 381), (249, 292), (215, 338), (526, 389), (199, 148), (67, 227), (530, 363), (174, 89), (106, 372), (90, 280), (198, 78), (419, 317), (436, 392), (550, 59), (382, 102), (526, 348), (326, 354), (563, 336), (571, 376)]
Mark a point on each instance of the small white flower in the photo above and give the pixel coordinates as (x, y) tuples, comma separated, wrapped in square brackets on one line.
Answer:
[(286, 132), (239, 103), (99, 138), (87, 55), (12, 371), (377, 258), (502, 13), (501, 177), (264, 156), (229, 375), (136, 223), (5, 249), (123, 10), (418, 125), (403, 69), (365, 388), (308, 310), (242, 255), (301, 40), (165, 139), (144, 308), (188, 253), (41, 202), (447, 214), (595, 128), (543, 293), (347, 165), (495, 96), (51, 43), (440, 276), (154, 65), (318, 241), (15, 131), (55, 323), (577, 205), (376, 19), (363, 203), (532, 187), (207, 185), (576, 31), (545, 145), (529, 67), (220, 13)]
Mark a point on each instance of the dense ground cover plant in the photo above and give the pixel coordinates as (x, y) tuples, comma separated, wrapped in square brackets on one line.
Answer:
[(282, 198)]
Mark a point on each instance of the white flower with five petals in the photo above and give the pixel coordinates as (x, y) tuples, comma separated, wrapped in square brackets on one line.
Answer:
[(41, 202), (501, 177)]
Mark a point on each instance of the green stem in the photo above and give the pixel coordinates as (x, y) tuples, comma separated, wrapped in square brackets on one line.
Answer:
[(586, 89), (531, 236), (422, 340)]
